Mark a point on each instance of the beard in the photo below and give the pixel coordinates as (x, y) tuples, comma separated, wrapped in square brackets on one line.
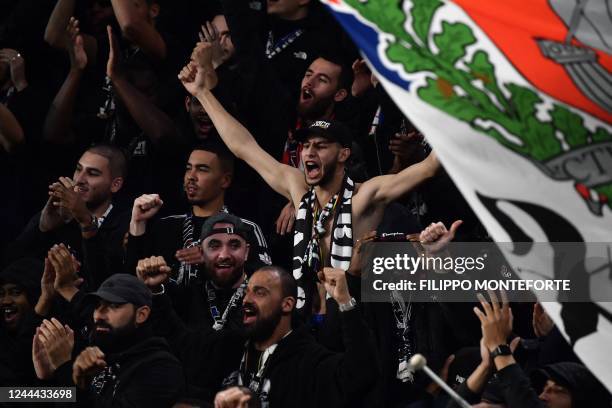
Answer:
[(316, 109), (116, 339), (225, 281), (328, 172), (264, 327)]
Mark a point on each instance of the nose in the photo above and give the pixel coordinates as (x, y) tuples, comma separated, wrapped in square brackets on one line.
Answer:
[(79, 177), (100, 313), (224, 253), (191, 174), (308, 150), (5, 299)]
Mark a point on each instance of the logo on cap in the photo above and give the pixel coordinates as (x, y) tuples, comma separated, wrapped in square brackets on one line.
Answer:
[(321, 124)]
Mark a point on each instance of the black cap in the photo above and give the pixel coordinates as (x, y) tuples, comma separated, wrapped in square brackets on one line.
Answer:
[(239, 227), (465, 362), (123, 288), (332, 130)]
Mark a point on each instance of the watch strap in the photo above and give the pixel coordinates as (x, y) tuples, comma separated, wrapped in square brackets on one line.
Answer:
[(501, 350)]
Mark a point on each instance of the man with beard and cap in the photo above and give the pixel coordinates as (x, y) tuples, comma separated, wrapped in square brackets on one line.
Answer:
[(331, 208), (125, 365), (208, 175), (216, 300), (281, 365), (80, 213), (19, 292)]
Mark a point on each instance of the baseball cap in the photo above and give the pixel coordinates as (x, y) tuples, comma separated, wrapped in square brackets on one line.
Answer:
[(123, 288), (238, 227), (332, 130)]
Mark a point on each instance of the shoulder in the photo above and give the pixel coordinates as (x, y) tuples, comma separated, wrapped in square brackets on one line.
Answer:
[(257, 232)]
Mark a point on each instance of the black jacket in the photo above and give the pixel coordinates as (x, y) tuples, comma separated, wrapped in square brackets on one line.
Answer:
[(101, 256), (303, 373), (145, 375)]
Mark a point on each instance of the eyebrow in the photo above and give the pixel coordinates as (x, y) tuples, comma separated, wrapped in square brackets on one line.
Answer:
[(198, 165), (79, 165), (256, 288)]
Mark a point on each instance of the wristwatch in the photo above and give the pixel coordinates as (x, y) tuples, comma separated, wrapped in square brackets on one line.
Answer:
[(501, 350), (350, 305)]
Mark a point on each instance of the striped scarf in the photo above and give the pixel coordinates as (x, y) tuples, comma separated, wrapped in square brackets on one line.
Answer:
[(307, 253)]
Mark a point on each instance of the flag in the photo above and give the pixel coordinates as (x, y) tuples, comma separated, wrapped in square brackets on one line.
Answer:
[(515, 96)]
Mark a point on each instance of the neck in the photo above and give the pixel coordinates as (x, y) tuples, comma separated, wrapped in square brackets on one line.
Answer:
[(208, 208), (326, 192), (281, 330), (101, 209)]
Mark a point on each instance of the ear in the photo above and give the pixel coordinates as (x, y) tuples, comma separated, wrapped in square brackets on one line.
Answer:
[(288, 304), (188, 104), (154, 10), (142, 314), (116, 184), (344, 154), (340, 95), (226, 180)]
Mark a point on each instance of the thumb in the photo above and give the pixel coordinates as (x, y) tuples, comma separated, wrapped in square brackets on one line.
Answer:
[(514, 343), (165, 269), (455, 226)]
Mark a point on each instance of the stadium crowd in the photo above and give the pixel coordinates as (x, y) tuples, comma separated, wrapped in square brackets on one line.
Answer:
[(187, 187)]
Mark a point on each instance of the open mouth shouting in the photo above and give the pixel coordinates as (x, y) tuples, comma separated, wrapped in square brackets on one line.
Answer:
[(249, 314), (10, 315), (313, 170), (306, 95)]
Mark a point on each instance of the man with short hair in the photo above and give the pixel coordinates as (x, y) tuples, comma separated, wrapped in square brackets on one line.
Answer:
[(208, 175), (81, 214), (125, 364), (215, 300), (331, 208), (277, 350)]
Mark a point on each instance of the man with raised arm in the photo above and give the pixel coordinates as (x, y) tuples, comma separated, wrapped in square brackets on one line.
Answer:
[(326, 198)]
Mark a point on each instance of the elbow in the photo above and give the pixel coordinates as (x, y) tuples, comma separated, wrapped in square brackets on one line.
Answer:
[(12, 144), (129, 29)]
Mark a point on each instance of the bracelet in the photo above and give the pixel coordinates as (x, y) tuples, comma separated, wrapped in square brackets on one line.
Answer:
[(163, 290), (345, 307)]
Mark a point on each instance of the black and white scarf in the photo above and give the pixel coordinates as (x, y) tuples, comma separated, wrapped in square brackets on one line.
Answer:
[(308, 232), (274, 48), (234, 303)]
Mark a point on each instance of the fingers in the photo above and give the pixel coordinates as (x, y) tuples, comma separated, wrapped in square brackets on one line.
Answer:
[(152, 266), (515, 343), (73, 28), (191, 255), (455, 226), (67, 182), (485, 305), (148, 201)]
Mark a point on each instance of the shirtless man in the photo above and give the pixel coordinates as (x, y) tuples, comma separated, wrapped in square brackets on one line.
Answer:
[(326, 199)]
